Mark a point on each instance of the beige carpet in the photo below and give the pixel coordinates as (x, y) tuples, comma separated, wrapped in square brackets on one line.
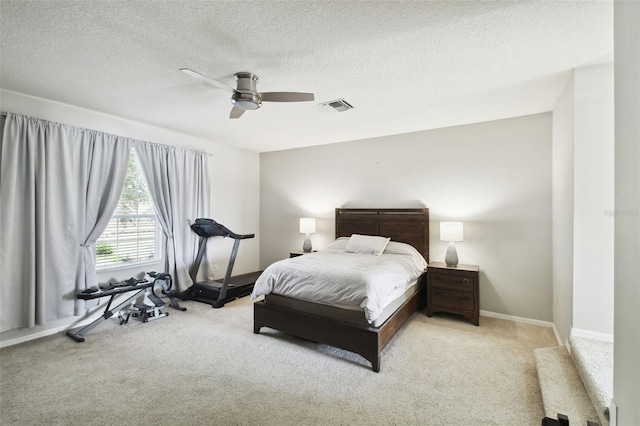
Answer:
[(562, 389), (594, 361), (205, 366)]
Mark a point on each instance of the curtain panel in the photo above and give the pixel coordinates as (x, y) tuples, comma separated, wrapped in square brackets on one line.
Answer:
[(102, 170), (59, 187), (178, 181)]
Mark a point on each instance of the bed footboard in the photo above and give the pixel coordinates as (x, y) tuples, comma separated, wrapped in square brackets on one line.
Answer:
[(365, 341)]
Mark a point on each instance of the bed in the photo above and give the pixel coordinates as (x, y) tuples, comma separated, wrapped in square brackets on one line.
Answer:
[(339, 327)]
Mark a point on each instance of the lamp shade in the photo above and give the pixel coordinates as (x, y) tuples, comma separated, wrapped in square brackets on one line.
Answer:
[(451, 231), (307, 225)]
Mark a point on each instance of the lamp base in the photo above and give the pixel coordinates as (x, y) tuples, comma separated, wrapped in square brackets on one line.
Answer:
[(451, 258), (306, 246)]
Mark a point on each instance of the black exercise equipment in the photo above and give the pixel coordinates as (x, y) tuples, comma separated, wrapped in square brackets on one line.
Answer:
[(153, 290), (112, 290), (218, 292), (162, 284), (161, 287), (563, 420)]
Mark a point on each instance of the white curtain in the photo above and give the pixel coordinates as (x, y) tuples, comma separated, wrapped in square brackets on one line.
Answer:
[(179, 185), (57, 187), (102, 172)]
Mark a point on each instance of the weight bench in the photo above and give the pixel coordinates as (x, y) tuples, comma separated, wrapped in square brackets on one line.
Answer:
[(136, 287)]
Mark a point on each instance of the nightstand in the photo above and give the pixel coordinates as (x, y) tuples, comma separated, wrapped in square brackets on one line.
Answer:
[(453, 289), (299, 253)]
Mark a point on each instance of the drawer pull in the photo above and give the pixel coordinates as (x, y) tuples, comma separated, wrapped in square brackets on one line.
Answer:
[(465, 281)]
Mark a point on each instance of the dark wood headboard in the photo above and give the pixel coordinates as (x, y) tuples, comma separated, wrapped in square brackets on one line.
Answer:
[(409, 226)]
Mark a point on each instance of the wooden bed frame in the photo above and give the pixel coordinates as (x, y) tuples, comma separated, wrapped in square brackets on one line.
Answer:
[(410, 226)]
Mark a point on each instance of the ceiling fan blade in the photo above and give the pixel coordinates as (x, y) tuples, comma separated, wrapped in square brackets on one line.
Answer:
[(236, 112), (207, 80), (286, 97)]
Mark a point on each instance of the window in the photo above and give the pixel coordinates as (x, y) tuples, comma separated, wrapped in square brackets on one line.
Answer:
[(133, 235)]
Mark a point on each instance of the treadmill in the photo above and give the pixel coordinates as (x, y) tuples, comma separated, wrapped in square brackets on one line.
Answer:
[(218, 292)]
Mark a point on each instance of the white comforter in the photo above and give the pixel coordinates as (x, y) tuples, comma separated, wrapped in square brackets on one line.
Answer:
[(335, 277)]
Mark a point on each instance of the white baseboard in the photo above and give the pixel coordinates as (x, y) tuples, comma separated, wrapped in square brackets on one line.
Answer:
[(516, 319), (555, 333), (523, 320), (32, 336), (588, 334), (21, 335), (17, 336)]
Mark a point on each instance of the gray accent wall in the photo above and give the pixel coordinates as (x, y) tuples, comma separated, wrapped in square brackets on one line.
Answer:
[(493, 176)]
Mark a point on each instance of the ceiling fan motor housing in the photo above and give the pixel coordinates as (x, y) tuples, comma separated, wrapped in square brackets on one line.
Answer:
[(246, 95)]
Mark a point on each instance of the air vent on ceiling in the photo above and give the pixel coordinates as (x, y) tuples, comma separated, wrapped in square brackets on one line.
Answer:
[(339, 105)]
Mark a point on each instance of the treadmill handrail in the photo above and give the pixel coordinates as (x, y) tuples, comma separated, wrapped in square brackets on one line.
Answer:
[(210, 228)]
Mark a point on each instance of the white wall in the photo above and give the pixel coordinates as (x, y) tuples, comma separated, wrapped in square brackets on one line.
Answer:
[(626, 364), (583, 186), (493, 176), (593, 199), (562, 188), (234, 173)]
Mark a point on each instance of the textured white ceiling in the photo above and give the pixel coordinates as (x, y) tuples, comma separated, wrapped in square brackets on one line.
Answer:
[(405, 66)]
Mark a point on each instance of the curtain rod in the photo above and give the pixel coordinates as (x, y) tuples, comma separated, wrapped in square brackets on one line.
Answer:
[(156, 143)]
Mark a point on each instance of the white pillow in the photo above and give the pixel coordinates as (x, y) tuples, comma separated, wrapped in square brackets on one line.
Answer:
[(366, 244), (395, 247), (338, 245)]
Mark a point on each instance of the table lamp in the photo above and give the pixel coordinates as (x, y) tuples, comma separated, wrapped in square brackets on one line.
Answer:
[(451, 232), (307, 226)]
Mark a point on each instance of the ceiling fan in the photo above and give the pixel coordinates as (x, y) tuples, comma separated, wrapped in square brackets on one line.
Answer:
[(245, 96)]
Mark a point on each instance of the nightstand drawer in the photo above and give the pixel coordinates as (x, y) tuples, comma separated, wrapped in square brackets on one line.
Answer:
[(452, 299), (452, 282)]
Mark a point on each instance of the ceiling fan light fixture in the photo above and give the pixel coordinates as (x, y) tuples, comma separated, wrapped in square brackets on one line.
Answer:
[(248, 101)]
